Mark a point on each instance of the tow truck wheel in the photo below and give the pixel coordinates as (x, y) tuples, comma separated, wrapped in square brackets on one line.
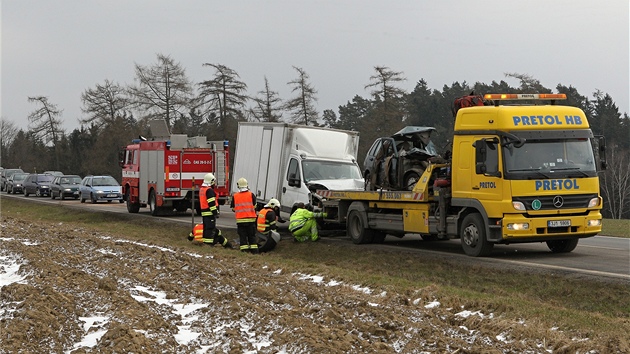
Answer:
[(357, 228), (562, 246), (153, 203), (473, 236)]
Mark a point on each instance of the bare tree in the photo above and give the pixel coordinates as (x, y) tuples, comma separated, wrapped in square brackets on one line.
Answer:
[(104, 103), (163, 90), (389, 107), (384, 83), (45, 123), (616, 184), (268, 105), (224, 93), (8, 132), (302, 106), (528, 83)]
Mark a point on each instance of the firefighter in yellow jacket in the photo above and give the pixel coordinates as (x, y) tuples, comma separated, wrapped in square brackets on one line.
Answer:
[(244, 206), (303, 225), (208, 206)]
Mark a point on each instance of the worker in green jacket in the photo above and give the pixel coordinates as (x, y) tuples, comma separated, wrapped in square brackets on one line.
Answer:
[(303, 225)]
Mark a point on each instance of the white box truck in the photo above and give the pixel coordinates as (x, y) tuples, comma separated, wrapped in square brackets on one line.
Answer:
[(290, 162)]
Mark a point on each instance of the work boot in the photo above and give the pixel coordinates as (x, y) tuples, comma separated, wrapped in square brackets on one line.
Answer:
[(228, 244)]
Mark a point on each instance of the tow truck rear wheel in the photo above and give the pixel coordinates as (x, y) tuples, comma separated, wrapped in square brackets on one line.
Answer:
[(357, 228), (562, 246), (473, 236)]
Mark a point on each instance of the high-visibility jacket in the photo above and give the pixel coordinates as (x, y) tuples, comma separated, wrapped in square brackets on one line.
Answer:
[(300, 217), (244, 206), (207, 201), (266, 220), (197, 233)]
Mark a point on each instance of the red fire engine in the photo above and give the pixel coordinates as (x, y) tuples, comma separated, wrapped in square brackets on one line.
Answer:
[(160, 172)]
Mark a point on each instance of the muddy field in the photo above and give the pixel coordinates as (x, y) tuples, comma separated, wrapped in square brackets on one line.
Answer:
[(71, 290)]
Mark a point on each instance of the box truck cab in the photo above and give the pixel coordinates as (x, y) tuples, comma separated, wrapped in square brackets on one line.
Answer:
[(289, 162)]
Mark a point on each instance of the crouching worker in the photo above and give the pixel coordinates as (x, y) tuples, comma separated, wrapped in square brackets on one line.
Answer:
[(208, 205), (266, 226), (303, 225)]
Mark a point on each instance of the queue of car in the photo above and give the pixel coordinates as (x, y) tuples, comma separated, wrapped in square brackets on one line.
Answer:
[(56, 184)]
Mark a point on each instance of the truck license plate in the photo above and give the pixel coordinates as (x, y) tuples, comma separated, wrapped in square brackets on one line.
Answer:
[(558, 223)]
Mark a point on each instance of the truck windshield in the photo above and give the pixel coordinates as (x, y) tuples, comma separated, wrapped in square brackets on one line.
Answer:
[(321, 170), (550, 159)]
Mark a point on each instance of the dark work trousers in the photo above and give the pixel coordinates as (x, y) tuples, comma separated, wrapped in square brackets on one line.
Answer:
[(210, 229), (247, 235)]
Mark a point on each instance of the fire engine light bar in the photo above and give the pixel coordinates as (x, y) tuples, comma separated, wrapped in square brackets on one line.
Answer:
[(525, 96)]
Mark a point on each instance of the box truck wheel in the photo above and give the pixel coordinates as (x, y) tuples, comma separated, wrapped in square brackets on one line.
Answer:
[(473, 236), (562, 246), (357, 228)]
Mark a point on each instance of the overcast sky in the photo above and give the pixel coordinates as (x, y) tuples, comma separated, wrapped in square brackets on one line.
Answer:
[(61, 48)]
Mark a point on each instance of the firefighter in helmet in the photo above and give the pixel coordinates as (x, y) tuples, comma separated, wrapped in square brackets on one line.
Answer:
[(208, 206), (244, 206), (266, 225)]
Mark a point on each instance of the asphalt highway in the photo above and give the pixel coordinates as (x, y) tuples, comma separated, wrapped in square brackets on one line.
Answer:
[(599, 256)]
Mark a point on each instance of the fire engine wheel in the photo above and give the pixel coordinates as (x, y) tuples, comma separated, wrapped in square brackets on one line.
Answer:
[(356, 228), (153, 204), (473, 236), (132, 207), (562, 246)]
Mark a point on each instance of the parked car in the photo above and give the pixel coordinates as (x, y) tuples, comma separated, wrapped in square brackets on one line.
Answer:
[(5, 174), (15, 183), (54, 173), (97, 188), (398, 161), (38, 184), (65, 186)]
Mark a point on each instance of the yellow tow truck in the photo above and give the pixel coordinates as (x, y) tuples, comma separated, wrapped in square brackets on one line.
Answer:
[(517, 173)]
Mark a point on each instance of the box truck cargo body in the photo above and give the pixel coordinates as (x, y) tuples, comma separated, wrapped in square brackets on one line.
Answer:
[(289, 162)]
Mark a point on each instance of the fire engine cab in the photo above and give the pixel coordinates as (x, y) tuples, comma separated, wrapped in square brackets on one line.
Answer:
[(166, 171)]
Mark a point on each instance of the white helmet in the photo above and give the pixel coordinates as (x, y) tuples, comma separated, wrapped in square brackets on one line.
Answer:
[(273, 202), (241, 183), (209, 179)]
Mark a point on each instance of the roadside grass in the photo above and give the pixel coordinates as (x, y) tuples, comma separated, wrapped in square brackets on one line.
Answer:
[(583, 305), (616, 227)]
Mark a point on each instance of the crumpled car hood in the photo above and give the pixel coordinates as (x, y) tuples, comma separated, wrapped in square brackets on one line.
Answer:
[(339, 184)]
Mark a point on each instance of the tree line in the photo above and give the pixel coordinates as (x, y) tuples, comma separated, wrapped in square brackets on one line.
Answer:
[(114, 114)]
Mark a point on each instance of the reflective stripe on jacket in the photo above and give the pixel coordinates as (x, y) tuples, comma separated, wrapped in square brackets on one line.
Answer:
[(299, 218), (207, 201), (244, 209), (264, 222)]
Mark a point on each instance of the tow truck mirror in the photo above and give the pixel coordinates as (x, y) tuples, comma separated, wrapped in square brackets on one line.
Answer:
[(487, 157)]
